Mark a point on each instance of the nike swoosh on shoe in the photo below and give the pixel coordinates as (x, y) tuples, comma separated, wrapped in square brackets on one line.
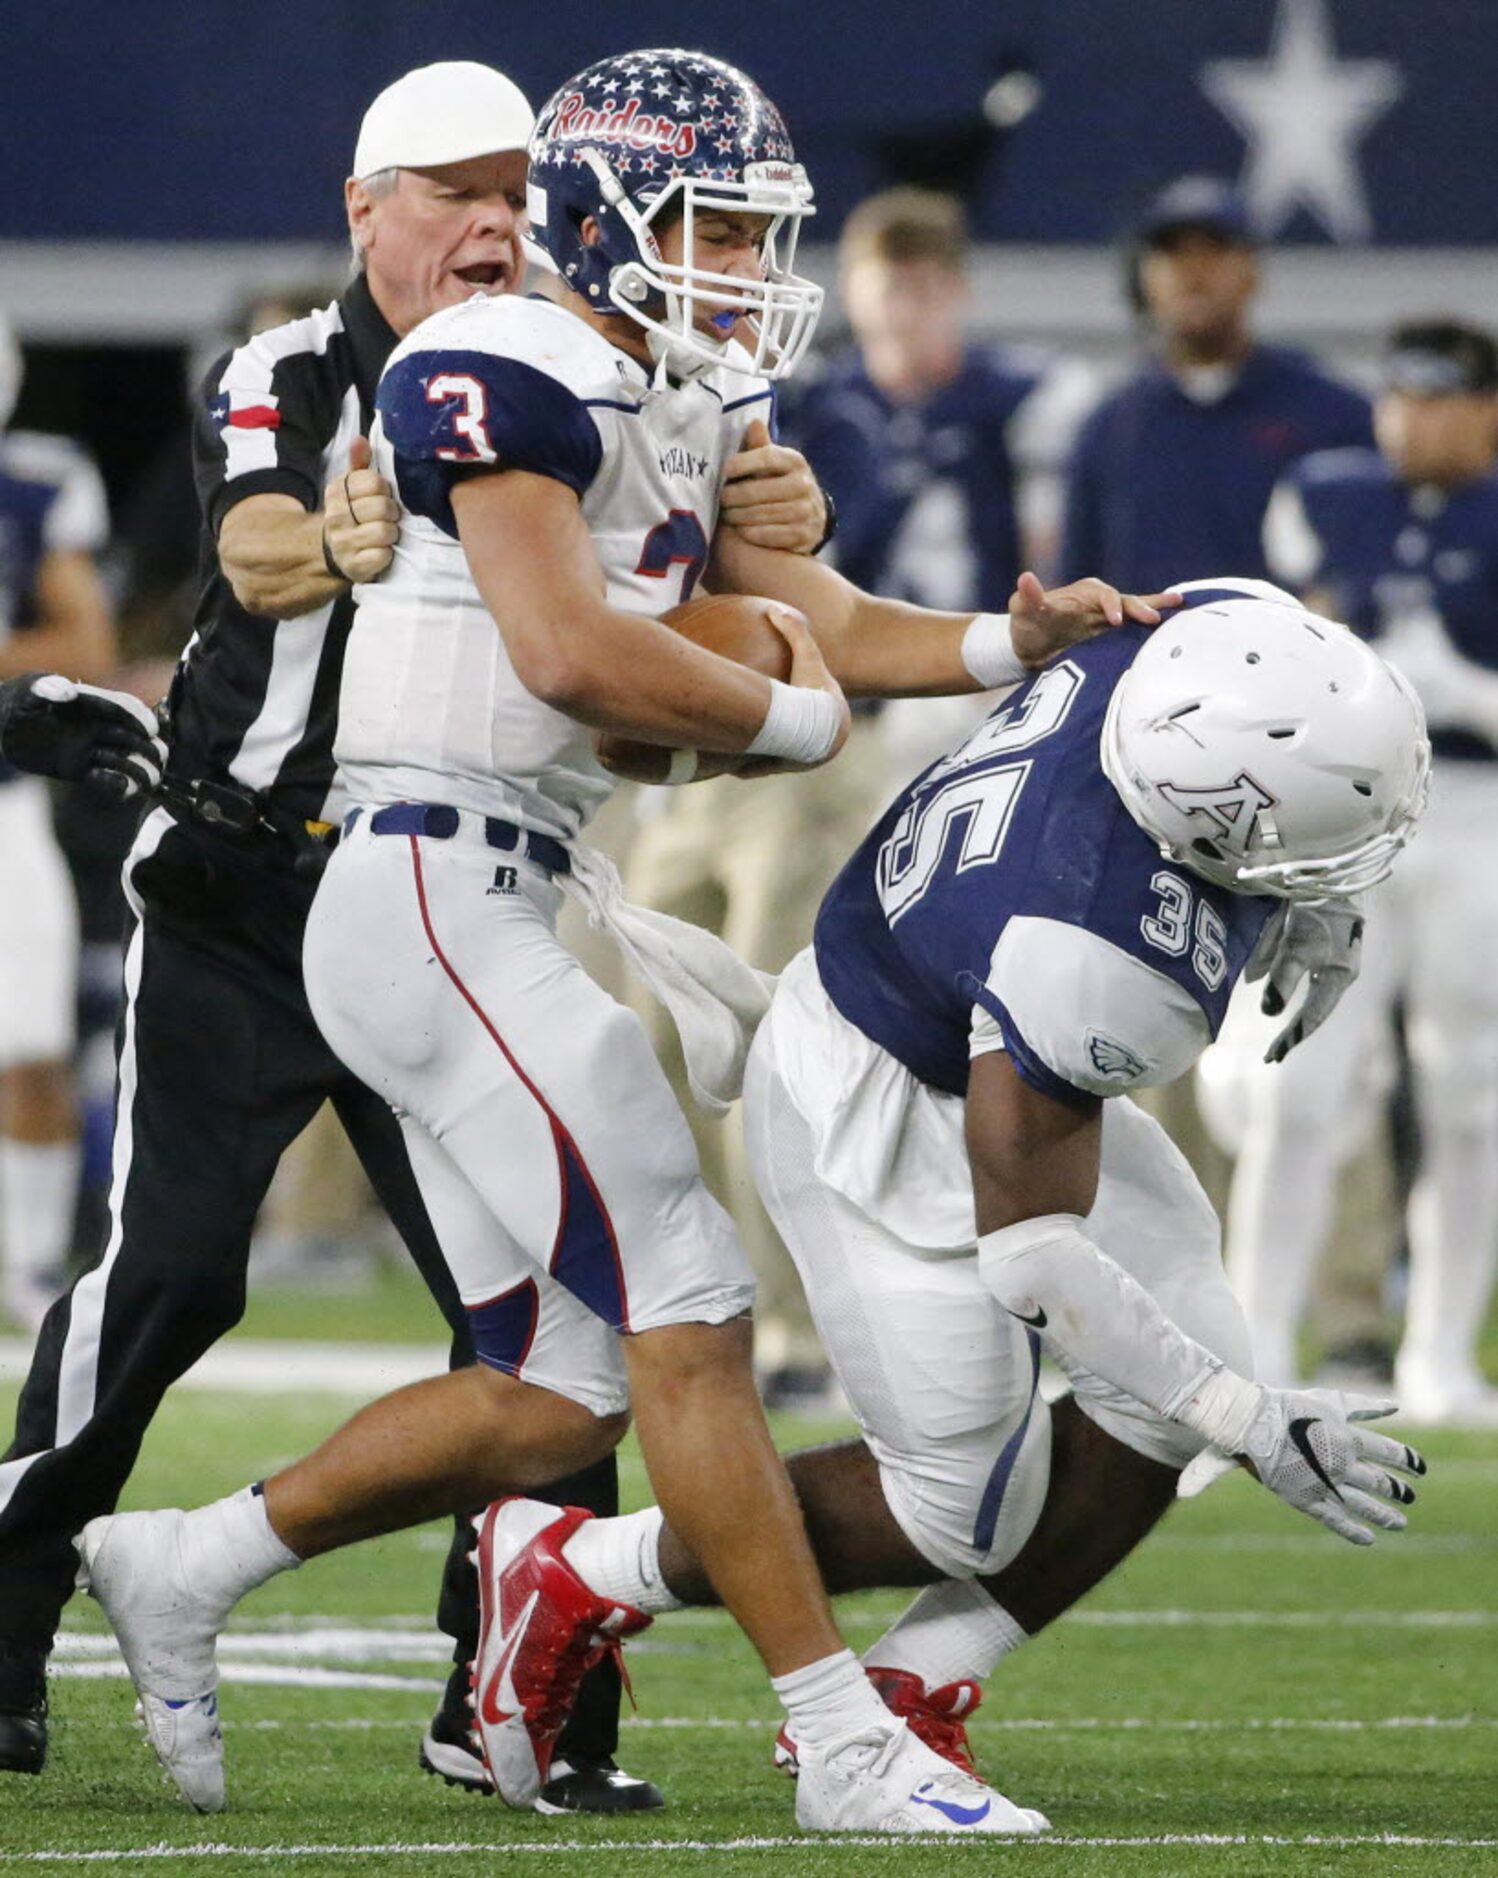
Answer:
[(494, 1691), (959, 1815)]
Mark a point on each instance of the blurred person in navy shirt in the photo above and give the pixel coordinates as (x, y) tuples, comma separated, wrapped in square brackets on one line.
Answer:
[(943, 454), (923, 435), (1171, 473)]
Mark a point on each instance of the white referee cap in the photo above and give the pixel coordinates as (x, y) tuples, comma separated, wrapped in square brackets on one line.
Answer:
[(442, 113)]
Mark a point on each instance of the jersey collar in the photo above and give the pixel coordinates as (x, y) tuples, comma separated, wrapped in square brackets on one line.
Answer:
[(371, 336)]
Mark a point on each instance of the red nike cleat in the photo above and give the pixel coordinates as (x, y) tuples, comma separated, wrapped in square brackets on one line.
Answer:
[(936, 1716), (540, 1631)]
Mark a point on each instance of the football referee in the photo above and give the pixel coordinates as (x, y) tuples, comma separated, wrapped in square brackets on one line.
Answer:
[(220, 1064)]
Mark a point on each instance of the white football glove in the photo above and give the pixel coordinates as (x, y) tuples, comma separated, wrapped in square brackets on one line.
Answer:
[(1321, 944), (1306, 1446)]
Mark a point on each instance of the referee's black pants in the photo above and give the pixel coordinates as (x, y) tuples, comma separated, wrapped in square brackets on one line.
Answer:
[(220, 1068)]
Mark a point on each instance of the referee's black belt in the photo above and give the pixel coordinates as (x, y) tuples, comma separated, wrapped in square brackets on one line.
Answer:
[(440, 822)]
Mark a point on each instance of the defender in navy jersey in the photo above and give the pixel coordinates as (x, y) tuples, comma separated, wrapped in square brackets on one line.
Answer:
[(1402, 543), (906, 945), (1052, 915)]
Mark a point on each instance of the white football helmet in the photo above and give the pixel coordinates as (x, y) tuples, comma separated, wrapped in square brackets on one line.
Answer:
[(1268, 750)]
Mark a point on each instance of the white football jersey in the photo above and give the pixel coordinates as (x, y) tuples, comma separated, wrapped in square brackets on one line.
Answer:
[(431, 707)]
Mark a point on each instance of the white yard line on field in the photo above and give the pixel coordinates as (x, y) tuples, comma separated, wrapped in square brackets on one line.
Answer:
[(273, 1366), (612, 1849)]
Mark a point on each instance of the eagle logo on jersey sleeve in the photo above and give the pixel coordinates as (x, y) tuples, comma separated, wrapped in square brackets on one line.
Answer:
[(1114, 1061)]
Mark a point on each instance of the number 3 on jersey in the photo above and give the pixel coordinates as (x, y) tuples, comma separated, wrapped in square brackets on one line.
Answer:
[(470, 423), (679, 541)]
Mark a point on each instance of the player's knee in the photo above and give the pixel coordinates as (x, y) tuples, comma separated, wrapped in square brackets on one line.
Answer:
[(969, 1511), (544, 1431)]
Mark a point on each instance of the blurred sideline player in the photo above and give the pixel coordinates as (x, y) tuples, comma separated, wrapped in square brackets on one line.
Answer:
[(1170, 474), (942, 453), (53, 614), (1052, 916), (561, 466), (1402, 542)]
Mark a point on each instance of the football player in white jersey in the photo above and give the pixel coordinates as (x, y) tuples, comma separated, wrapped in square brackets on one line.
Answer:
[(1052, 916), (559, 467)]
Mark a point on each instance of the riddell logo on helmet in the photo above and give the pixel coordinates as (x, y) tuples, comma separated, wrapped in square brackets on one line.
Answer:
[(630, 126)]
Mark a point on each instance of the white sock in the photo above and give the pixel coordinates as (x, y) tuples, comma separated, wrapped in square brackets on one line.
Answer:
[(621, 1559), (38, 1190), (829, 1699), (952, 1631), (231, 1547)]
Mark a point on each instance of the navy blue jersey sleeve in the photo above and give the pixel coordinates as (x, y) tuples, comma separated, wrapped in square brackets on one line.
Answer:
[(447, 414)]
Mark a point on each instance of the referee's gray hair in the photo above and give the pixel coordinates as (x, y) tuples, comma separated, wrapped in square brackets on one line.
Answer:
[(378, 183)]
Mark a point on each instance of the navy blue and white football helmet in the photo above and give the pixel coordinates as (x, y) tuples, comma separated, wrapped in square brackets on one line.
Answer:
[(645, 136)]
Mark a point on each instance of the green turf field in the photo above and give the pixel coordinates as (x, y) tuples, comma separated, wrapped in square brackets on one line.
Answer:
[(1248, 1696)]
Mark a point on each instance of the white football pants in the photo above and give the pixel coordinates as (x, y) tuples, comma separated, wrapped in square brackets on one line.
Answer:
[(941, 1378), (557, 1166)]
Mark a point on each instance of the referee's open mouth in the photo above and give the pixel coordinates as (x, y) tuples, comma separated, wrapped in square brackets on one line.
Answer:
[(487, 275)]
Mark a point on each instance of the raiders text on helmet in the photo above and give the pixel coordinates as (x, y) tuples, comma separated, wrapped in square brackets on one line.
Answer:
[(636, 140)]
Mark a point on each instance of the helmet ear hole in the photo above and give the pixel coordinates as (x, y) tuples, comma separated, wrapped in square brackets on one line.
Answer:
[(1363, 788), (1209, 849)]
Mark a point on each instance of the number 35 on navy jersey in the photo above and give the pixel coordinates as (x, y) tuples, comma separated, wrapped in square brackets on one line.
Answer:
[(1009, 884)]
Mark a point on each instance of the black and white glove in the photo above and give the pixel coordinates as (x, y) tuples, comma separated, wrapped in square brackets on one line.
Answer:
[(1322, 944), (1307, 1446), (53, 726)]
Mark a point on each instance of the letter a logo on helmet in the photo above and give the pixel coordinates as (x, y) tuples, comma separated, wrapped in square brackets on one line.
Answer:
[(636, 142), (1232, 808)]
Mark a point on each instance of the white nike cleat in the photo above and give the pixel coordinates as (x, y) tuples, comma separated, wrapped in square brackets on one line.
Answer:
[(186, 1740), (167, 1630), (885, 1780)]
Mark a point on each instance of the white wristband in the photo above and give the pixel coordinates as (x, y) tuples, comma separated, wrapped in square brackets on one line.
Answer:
[(800, 726), (1221, 1409), (683, 767), (988, 652)]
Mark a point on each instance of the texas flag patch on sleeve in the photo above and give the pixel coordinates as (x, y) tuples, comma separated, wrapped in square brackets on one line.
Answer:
[(246, 410)]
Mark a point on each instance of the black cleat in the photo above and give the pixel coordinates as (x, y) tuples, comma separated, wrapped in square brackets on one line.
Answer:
[(23, 1739), (596, 1787), (23, 1707), (449, 1750)]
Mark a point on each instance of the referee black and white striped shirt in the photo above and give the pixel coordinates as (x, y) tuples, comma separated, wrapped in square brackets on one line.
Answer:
[(255, 700)]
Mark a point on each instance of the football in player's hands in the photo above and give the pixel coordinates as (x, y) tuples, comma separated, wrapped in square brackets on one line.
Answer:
[(736, 626)]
